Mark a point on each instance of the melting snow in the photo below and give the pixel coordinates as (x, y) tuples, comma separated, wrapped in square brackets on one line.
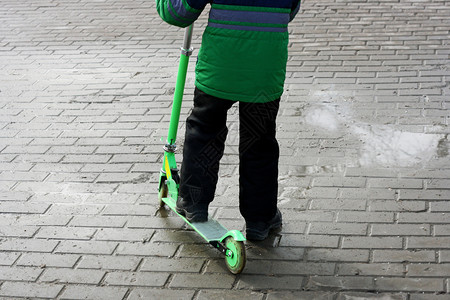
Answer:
[(393, 148), (322, 117), (381, 144)]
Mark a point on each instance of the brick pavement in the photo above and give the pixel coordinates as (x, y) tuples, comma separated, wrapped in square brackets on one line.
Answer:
[(85, 93)]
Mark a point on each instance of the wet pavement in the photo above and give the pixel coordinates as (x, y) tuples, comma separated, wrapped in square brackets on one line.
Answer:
[(85, 95)]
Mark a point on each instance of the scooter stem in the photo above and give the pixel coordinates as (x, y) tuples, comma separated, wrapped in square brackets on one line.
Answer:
[(186, 51)]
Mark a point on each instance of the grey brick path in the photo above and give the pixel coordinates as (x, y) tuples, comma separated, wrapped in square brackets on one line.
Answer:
[(85, 95)]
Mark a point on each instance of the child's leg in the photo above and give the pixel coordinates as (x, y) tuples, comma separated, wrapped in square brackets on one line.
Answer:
[(258, 154), (204, 144)]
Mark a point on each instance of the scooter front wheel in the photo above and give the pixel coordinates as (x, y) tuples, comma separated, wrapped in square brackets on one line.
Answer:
[(235, 257)]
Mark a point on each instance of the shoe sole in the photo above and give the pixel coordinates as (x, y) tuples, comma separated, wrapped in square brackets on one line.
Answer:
[(192, 217)]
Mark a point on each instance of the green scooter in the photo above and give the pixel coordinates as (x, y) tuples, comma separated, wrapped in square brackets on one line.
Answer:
[(230, 243)]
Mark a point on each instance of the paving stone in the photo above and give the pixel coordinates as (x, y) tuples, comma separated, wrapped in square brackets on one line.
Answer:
[(199, 251), (124, 210), (28, 289), (7, 259), (23, 176), (86, 247), (182, 236), (124, 234), (373, 193), (338, 255), (400, 229), (401, 206), (232, 295), (321, 216), (424, 194), (148, 293), (298, 227), (141, 188), (98, 221), (373, 242), (146, 249), (75, 209), (268, 250), (18, 231), (14, 195), (439, 206), (121, 177), (404, 256), (409, 284), (108, 262), (63, 275), (160, 264), (428, 296), (395, 183), (338, 228), (24, 208), (423, 217), (19, 273), (80, 159), (105, 168), (84, 111), (371, 217), (318, 241), (371, 296), (260, 282), (27, 245), (114, 198), (155, 222), (222, 281), (285, 295), (67, 233), (93, 292), (44, 260), (91, 187), (287, 268), (428, 242), (137, 279), (428, 270), (338, 204), (340, 283), (33, 220), (386, 269), (444, 256), (56, 198), (340, 181)]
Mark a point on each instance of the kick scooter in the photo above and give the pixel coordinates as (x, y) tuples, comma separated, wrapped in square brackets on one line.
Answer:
[(229, 243)]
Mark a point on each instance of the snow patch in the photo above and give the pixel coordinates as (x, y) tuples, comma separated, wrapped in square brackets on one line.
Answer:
[(381, 144), (387, 147), (323, 117)]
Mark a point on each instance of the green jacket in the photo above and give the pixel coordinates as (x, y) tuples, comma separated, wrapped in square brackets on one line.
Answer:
[(244, 47)]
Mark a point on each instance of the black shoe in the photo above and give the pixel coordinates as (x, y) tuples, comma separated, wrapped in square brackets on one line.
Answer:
[(192, 213), (258, 231)]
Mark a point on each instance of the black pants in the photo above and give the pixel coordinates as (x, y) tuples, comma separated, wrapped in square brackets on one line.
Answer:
[(204, 144)]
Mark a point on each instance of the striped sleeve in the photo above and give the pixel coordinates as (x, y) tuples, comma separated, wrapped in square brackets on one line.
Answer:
[(180, 13), (295, 8)]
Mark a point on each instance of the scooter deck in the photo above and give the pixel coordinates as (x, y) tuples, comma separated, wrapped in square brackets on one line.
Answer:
[(211, 230)]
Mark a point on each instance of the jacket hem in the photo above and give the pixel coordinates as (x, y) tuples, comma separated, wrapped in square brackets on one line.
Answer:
[(238, 97)]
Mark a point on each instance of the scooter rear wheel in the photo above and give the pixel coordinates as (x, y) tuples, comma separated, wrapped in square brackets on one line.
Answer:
[(236, 259)]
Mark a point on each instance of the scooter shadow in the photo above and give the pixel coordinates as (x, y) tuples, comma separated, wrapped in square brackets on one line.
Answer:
[(164, 212)]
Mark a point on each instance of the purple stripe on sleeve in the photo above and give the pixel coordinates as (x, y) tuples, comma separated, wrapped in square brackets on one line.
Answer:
[(248, 28), (249, 16), (179, 8)]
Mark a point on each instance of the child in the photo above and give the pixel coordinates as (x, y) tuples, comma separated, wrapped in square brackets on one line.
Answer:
[(242, 59)]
